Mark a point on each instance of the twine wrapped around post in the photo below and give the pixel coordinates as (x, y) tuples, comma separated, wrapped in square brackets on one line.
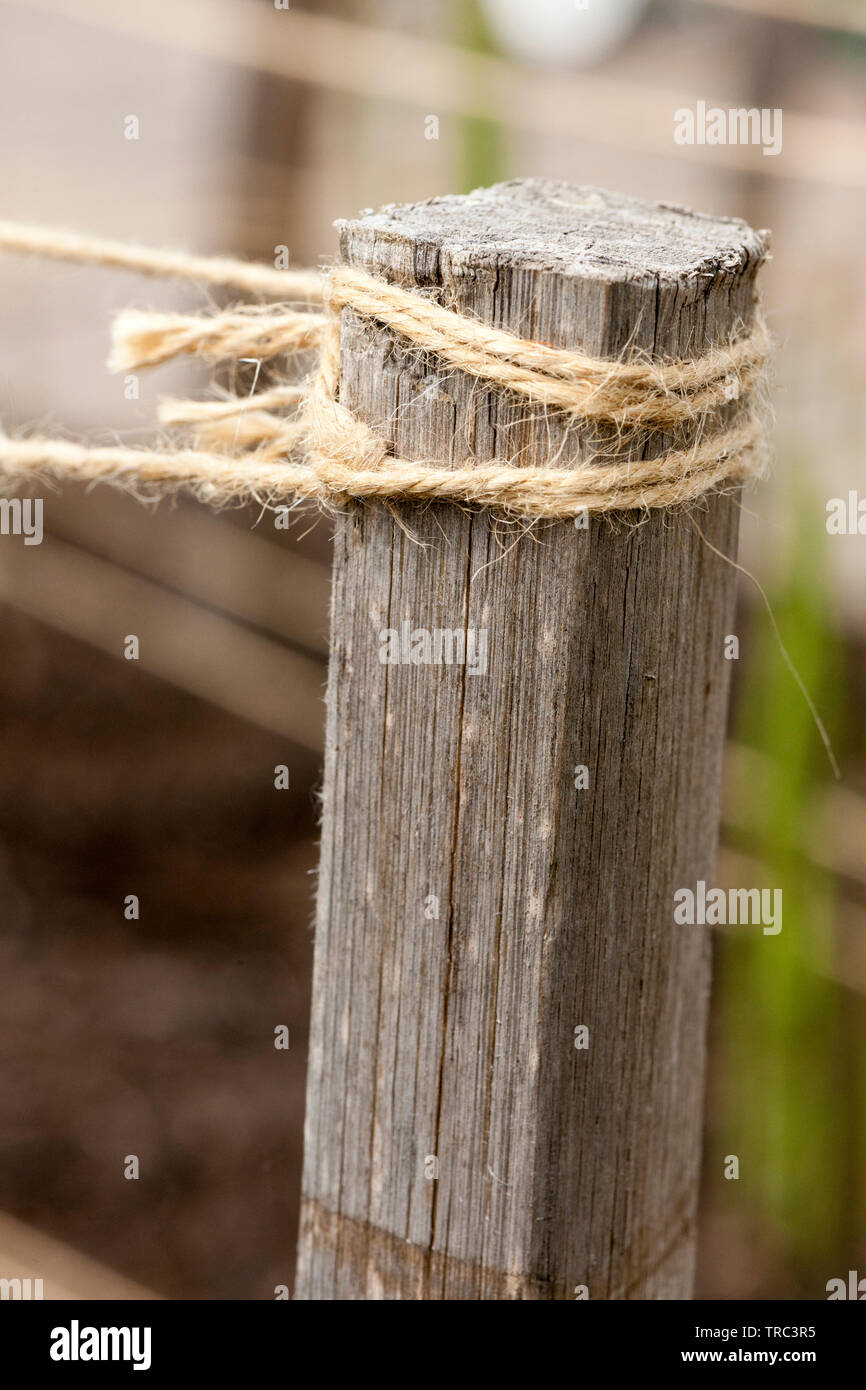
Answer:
[(326, 455)]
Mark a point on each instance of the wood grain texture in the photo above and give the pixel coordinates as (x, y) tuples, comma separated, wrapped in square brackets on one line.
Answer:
[(453, 1035)]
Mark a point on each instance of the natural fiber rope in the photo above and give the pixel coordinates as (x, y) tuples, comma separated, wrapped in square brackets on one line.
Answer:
[(192, 412), (325, 454), (145, 340), (619, 392), (210, 270)]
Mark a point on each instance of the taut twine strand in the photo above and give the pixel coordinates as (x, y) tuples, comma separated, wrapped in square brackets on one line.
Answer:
[(322, 453)]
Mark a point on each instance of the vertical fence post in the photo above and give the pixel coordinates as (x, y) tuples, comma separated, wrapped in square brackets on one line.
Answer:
[(508, 1031)]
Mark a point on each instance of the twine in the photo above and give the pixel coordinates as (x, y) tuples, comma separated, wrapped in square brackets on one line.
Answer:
[(324, 454), (58, 245)]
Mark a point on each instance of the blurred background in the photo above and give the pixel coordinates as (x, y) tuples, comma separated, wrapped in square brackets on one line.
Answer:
[(257, 125)]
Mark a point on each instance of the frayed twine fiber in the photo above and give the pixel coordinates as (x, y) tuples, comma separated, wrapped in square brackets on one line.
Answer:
[(324, 454), (145, 340)]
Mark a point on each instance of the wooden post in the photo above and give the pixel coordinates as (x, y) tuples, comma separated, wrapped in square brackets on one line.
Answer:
[(478, 904)]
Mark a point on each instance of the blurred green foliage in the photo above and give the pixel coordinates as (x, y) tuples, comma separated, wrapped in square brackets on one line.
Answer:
[(482, 149), (791, 1104)]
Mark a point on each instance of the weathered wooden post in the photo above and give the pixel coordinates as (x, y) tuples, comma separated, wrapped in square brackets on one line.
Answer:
[(508, 1031)]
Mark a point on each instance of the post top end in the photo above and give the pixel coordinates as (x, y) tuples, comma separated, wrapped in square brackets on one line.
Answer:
[(564, 229)]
